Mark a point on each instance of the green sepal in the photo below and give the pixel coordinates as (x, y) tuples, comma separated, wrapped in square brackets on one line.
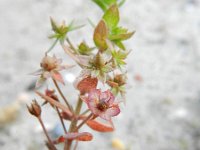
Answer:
[(111, 16), (84, 49)]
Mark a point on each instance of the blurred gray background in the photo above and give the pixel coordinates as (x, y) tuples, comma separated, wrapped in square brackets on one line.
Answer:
[(163, 97)]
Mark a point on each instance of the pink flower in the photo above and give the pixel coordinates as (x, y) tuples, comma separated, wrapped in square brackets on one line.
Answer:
[(102, 104), (50, 67)]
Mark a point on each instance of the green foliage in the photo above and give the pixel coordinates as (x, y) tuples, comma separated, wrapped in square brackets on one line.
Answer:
[(119, 57), (110, 27), (121, 34), (111, 17), (60, 31), (100, 35), (100, 66), (105, 4)]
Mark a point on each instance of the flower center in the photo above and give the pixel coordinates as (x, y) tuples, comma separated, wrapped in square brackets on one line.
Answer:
[(102, 106)]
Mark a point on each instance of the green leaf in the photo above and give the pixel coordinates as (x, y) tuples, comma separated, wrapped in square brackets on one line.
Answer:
[(104, 4), (54, 25), (121, 2), (121, 37), (110, 2), (111, 16), (120, 44), (119, 30), (101, 4), (119, 57), (100, 35)]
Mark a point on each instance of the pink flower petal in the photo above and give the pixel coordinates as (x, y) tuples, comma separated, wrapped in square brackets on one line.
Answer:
[(94, 95), (105, 96), (105, 116), (113, 111), (57, 76), (92, 105), (84, 98), (108, 96)]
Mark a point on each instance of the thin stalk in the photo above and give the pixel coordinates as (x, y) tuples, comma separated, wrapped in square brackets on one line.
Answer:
[(84, 121), (71, 45), (75, 146), (46, 133), (85, 112), (70, 53), (73, 124), (52, 46), (61, 120), (62, 95)]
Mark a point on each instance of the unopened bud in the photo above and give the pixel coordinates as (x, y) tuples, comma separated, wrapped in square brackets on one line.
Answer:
[(34, 109), (51, 93), (120, 79)]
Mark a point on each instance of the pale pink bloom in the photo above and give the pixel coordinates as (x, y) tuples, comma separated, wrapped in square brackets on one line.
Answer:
[(50, 67), (102, 104)]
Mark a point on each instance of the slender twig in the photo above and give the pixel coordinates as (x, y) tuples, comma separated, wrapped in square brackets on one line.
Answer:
[(52, 46), (84, 121), (46, 133), (62, 95), (75, 146), (71, 45), (73, 124), (85, 112), (70, 53), (61, 120)]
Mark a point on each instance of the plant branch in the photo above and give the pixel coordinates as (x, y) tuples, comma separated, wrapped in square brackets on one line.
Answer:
[(62, 95), (85, 112), (84, 121), (46, 133), (52, 46), (61, 120), (74, 122)]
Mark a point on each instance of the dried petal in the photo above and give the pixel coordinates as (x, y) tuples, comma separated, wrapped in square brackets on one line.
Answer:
[(84, 136), (55, 103), (34, 109), (87, 84), (97, 126)]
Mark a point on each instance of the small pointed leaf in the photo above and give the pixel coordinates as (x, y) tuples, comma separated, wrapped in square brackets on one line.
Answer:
[(100, 35), (111, 16), (97, 126), (120, 37)]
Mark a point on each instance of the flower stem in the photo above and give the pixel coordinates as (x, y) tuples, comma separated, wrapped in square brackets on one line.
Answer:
[(52, 46), (71, 45), (84, 121), (45, 132), (73, 124), (62, 95), (61, 120), (85, 112)]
